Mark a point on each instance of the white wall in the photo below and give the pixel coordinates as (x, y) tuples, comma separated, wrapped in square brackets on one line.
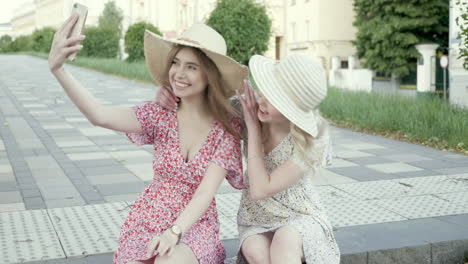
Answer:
[(458, 75)]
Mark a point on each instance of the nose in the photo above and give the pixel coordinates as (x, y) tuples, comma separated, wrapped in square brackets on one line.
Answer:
[(180, 73)]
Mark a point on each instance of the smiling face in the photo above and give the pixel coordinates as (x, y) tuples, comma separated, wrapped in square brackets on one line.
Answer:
[(267, 113), (186, 76)]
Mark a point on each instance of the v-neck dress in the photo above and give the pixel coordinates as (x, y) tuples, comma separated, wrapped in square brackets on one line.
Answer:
[(173, 185), (298, 206)]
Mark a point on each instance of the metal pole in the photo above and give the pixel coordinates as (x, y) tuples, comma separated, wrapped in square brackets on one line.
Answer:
[(445, 88)]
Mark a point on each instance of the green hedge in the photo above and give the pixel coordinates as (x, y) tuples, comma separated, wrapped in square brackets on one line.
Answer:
[(21, 43), (134, 40), (42, 39), (5, 41), (100, 42)]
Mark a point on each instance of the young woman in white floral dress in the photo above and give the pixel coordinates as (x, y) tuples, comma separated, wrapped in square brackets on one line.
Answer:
[(280, 218)]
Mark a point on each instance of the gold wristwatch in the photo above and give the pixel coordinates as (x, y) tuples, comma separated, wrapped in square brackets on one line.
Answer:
[(175, 229)]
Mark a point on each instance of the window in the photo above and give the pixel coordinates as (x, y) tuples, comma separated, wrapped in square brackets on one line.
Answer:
[(344, 64), (293, 2), (307, 34)]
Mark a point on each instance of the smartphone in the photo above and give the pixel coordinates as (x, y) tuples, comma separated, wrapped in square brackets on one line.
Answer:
[(82, 12)]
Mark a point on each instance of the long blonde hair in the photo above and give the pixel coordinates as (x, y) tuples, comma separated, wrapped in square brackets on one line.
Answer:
[(304, 143), (218, 104)]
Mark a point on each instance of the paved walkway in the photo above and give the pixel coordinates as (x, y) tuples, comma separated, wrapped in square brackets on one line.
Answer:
[(66, 186)]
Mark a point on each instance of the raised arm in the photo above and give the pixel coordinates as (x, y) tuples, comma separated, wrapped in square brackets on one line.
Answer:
[(115, 118), (262, 184)]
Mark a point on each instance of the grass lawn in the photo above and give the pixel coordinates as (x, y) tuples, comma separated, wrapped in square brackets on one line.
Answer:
[(425, 121), (430, 122)]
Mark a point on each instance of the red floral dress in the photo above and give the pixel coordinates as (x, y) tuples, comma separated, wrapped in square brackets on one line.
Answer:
[(174, 183)]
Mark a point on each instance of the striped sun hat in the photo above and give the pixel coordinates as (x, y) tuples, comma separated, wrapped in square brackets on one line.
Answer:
[(295, 86)]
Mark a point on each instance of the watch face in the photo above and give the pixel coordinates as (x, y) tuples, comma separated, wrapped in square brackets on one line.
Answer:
[(176, 229)]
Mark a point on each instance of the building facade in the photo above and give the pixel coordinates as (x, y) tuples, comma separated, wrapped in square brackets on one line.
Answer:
[(312, 27), (458, 76)]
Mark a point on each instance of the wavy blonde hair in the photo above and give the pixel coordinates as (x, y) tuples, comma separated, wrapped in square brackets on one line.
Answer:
[(217, 99), (304, 142)]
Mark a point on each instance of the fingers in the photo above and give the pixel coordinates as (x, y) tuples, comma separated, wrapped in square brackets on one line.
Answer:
[(152, 246), (169, 252), (66, 22), (171, 92), (171, 98), (74, 40), (70, 50), (162, 249), (166, 99), (68, 27)]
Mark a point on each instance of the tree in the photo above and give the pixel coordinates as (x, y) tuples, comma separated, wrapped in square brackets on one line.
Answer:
[(111, 18), (462, 22), (245, 26), (5, 41), (21, 43), (388, 30), (100, 42), (134, 40), (42, 39)]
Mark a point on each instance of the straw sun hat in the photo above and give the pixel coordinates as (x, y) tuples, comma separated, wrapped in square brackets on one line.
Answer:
[(295, 86), (198, 36)]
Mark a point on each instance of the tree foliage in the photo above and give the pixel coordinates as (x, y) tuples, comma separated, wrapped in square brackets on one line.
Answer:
[(111, 17), (388, 30), (245, 26), (5, 41), (100, 42), (21, 43), (42, 39), (134, 40), (462, 23)]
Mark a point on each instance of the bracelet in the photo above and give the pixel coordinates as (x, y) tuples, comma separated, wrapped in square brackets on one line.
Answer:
[(254, 157)]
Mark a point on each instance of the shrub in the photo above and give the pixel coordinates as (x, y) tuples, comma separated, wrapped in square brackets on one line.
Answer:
[(42, 39), (134, 40), (21, 43), (100, 42), (5, 41)]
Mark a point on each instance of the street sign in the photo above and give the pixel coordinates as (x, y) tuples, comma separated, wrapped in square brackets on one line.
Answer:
[(444, 61), (444, 64)]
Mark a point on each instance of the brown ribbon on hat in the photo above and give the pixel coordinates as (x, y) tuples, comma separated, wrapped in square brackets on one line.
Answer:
[(189, 40)]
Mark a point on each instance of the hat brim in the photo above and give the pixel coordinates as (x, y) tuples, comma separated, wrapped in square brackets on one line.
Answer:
[(157, 48), (262, 70)]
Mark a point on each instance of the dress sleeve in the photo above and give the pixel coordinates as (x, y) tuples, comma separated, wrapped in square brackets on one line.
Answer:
[(148, 115), (228, 156)]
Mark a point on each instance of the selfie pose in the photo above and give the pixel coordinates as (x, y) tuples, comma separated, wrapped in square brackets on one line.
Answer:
[(280, 217), (174, 220)]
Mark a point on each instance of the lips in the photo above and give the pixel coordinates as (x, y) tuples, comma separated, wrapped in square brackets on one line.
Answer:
[(181, 85)]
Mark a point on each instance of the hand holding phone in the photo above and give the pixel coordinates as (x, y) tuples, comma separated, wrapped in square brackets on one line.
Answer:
[(82, 12)]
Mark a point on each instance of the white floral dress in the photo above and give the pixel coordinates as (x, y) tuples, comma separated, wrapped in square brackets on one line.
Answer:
[(298, 206)]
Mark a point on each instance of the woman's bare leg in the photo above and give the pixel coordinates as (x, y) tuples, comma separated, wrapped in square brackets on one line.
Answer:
[(181, 254), (256, 248), (286, 246)]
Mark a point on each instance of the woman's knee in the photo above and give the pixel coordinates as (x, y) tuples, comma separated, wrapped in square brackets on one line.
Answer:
[(286, 244), (256, 252), (181, 254)]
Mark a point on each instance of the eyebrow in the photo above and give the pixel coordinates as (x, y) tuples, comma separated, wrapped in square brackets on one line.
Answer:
[(190, 63)]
